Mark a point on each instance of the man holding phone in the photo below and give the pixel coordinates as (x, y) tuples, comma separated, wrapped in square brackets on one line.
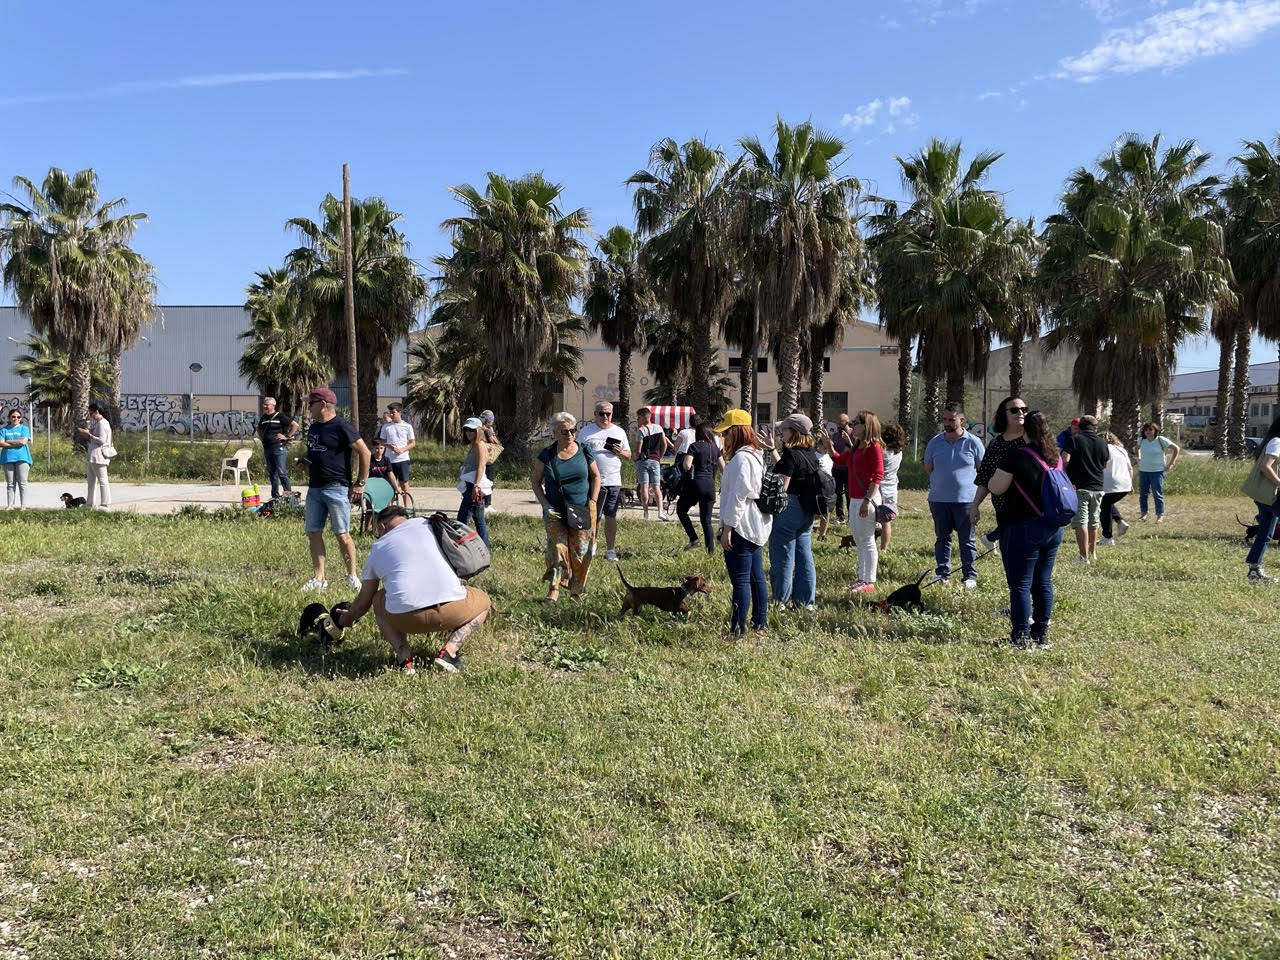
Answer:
[(610, 446)]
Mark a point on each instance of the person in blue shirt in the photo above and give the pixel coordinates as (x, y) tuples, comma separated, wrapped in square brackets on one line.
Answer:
[(15, 454), (951, 461)]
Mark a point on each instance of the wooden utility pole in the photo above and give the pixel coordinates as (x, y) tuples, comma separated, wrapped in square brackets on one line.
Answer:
[(349, 283)]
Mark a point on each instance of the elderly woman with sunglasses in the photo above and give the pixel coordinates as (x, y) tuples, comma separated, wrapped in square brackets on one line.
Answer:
[(1010, 436), (566, 482), (15, 454)]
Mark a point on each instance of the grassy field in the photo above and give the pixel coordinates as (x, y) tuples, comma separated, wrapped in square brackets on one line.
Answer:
[(184, 779)]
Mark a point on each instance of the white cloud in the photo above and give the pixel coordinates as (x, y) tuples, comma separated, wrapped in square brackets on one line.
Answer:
[(1170, 39), (889, 112), (990, 95), (198, 80), (863, 116)]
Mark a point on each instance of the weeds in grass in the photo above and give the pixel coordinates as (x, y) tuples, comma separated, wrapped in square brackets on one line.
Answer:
[(108, 674)]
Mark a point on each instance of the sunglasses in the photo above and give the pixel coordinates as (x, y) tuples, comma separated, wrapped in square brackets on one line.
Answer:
[(1015, 409), (604, 413), (568, 431)]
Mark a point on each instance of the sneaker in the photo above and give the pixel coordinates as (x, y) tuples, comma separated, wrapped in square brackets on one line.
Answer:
[(971, 583), (1256, 576), (1081, 560), (315, 584), (987, 543), (1160, 519), (664, 518), (1121, 528), (448, 662), (865, 588), (1041, 643), (692, 545), (611, 556), (406, 667), (1143, 518), (354, 582), (810, 608), (1106, 541), (1019, 641)]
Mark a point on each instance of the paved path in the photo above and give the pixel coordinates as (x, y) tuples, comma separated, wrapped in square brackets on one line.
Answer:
[(169, 497)]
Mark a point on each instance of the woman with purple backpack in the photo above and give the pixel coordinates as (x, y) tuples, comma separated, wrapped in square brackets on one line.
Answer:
[(1029, 538)]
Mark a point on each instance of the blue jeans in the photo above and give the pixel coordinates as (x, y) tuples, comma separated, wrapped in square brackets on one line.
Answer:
[(1029, 550), (277, 470), (1267, 516), (470, 507), (744, 562), (331, 503), (792, 576), (951, 518), (1151, 482)]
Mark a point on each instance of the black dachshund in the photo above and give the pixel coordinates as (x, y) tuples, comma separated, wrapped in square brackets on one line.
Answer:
[(318, 625), (1251, 531)]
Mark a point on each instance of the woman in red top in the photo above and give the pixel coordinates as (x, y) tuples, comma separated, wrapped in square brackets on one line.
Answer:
[(865, 462)]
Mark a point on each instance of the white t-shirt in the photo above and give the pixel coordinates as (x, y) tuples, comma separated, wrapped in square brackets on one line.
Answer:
[(889, 485), (1118, 475), (413, 572), (684, 438), (609, 464), (396, 434)]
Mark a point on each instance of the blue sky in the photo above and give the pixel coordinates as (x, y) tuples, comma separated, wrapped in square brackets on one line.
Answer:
[(221, 121)]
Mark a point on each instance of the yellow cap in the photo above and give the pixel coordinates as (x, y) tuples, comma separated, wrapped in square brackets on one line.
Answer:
[(734, 418)]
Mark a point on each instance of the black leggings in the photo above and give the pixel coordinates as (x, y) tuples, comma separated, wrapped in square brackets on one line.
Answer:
[(704, 495), (1109, 511)]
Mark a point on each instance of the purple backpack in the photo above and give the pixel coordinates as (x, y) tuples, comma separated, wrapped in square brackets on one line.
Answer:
[(1058, 500)]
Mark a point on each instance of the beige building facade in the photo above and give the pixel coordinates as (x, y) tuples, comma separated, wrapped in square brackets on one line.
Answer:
[(861, 374)]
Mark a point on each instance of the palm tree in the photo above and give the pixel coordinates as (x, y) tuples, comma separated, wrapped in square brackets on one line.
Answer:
[(618, 304), (1027, 298), (855, 291), (282, 358), (515, 266), (682, 208), (388, 290), (797, 210), (1133, 262), (49, 371), (1251, 202), (73, 272), (894, 282), (743, 329)]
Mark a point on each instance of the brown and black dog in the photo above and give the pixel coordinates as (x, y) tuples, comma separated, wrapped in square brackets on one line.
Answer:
[(72, 503), (674, 600), (846, 542)]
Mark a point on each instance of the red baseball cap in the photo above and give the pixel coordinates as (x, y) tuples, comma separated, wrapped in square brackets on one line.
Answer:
[(1074, 423), (322, 394)]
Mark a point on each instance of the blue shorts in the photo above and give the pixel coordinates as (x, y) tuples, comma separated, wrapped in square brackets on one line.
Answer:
[(401, 471), (329, 501), (648, 471)]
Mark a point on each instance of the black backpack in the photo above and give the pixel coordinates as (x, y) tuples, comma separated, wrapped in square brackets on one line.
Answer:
[(827, 494), (773, 498)]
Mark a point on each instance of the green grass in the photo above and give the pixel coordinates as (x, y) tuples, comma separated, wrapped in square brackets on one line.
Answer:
[(184, 779)]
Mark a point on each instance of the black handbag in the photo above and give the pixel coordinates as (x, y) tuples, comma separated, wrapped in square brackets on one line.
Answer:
[(575, 517)]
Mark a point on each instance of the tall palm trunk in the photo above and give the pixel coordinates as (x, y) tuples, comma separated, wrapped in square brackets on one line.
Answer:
[(955, 386), (904, 381), (789, 370), (1238, 425), (78, 369), (1126, 416), (367, 397), (1015, 366), (1225, 347), (816, 383), (622, 413), (523, 425), (115, 382), (929, 407), (700, 373), (750, 357)]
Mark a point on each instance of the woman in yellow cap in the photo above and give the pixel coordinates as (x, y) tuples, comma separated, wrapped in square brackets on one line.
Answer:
[(744, 529)]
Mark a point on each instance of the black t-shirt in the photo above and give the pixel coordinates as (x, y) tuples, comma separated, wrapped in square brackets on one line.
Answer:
[(997, 458), (705, 457), (802, 467), (380, 467), (271, 424), (1029, 477), (329, 451), (1089, 456)]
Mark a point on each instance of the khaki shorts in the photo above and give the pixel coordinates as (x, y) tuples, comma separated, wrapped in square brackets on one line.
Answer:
[(442, 618), (1089, 512)]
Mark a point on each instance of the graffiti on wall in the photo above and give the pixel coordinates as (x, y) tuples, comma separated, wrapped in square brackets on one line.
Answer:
[(168, 413)]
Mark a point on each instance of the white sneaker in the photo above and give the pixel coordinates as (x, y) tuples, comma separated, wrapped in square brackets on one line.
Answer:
[(1081, 560), (1107, 541), (810, 608), (936, 578), (971, 583), (354, 582), (1121, 528), (987, 543), (611, 556), (315, 584)]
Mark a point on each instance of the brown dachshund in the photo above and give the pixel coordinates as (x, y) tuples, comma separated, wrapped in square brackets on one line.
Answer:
[(846, 542), (674, 600)]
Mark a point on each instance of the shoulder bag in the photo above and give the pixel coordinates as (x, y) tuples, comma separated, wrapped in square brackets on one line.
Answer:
[(1257, 487), (575, 517)]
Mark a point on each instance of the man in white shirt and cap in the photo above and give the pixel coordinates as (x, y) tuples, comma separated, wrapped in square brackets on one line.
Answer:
[(609, 445)]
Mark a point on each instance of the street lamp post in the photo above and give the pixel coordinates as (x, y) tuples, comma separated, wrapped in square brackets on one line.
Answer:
[(191, 402), (582, 390), (146, 412)]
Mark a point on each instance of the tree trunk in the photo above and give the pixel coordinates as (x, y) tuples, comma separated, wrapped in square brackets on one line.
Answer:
[(1238, 425), (1225, 347), (789, 371), (1126, 416), (622, 411), (1015, 366), (115, 385), (365, 399), (955, 386), (904, 382), (747, 373), (700, 369), (78, 368), (816, 383), (929, 405), (523, 422)]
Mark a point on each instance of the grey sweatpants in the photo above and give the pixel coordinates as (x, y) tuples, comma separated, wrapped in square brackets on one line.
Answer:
[(15, 480), (96, 474)]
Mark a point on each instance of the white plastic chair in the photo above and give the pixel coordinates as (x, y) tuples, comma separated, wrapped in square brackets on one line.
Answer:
[(237, 464)]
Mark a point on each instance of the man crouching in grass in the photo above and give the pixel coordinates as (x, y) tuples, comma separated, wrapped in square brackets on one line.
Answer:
[(420, 593)]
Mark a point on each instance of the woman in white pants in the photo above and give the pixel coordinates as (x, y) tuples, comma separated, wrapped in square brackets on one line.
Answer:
[(98, 433), (864, 459)]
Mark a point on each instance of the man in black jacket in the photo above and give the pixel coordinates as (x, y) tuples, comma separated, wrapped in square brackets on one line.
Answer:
[(1085, 456)]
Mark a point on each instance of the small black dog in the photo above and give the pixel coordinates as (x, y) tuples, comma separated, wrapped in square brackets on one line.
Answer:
[(674, 600), (1251, 531), (907, 597), (75, 503), (318, 625)]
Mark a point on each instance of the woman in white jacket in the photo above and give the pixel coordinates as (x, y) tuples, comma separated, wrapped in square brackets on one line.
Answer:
[(98, 434), (473, 483), (744, 529), (1117, 483)]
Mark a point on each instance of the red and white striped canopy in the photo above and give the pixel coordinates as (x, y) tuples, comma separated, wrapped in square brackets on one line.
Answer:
[(672, 418)]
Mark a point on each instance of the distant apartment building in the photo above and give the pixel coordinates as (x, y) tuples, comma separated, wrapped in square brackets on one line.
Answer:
[(1195, 396)]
